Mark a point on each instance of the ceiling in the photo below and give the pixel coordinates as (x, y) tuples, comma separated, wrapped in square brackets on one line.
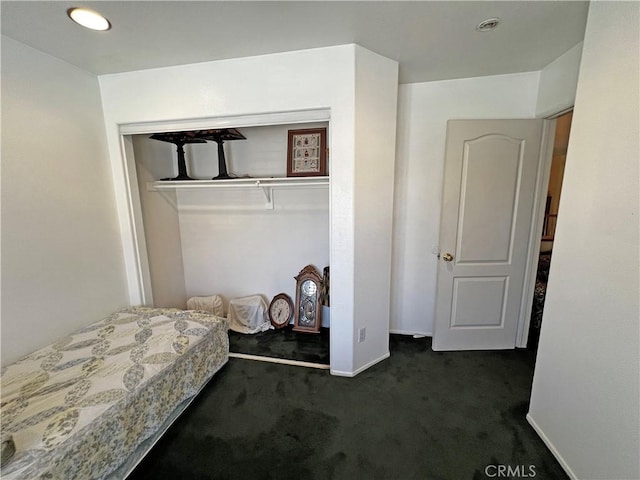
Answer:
[(432, 40)]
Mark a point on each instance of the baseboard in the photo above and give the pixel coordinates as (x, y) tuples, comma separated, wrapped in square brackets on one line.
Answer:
[(339, 373), (551, 447), (411, 332)]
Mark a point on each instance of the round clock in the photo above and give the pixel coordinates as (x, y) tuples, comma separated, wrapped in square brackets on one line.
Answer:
[(281, 310)]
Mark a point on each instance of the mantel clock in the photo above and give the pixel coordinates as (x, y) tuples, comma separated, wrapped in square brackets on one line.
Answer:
[(308, 314)]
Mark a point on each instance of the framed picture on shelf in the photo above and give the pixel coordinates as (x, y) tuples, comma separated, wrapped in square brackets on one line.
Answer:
[(307, 153)]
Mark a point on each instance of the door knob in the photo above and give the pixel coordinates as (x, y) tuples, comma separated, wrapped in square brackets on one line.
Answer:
[(447, 257)]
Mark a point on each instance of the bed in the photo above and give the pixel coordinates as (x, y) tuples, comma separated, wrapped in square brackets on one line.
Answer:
[(91, 404)]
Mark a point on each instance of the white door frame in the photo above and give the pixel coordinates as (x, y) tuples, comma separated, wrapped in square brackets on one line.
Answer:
[(535, 232), (544, 172)]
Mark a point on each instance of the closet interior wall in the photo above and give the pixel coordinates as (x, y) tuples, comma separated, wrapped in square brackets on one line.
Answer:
[(229, 241)]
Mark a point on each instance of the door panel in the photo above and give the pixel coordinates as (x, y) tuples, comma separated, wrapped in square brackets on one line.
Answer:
[(488, 196), (478, 302), (491, 168)]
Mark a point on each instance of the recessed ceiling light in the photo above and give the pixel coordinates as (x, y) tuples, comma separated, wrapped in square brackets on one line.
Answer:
[(88, 19), (488, 24)]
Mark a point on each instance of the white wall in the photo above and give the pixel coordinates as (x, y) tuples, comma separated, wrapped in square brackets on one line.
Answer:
[(62, 264), (375, 130), (558, 82), (255, 85), (585, 398), (159, 211), (246, 249), (423, 112)]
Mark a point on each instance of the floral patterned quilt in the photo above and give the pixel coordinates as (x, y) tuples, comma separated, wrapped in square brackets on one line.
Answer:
[(78, 408)]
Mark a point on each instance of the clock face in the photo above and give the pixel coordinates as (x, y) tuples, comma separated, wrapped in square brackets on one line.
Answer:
[(281, 310), (309, 288)]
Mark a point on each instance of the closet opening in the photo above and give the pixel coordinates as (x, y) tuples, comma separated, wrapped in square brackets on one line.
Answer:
[(554, 190), (244, 237)]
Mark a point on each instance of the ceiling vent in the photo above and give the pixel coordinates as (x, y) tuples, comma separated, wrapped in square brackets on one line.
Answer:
[(488, 24)]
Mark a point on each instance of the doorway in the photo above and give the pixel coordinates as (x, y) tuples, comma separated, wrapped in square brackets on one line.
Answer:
[(554, 190)]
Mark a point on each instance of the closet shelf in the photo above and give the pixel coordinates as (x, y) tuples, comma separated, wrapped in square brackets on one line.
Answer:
[(244, 182), (267, 184)]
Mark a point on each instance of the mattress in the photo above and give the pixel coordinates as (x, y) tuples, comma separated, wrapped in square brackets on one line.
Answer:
[(80, 407)]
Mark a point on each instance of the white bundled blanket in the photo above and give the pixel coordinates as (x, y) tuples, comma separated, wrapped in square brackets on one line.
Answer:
[(249, 315), (211, 304)]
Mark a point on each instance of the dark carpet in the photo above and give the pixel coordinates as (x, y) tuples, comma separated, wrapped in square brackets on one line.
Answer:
[(283, 343), (417, 415)]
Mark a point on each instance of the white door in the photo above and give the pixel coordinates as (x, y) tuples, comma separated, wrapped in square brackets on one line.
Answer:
[(487, 208)]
